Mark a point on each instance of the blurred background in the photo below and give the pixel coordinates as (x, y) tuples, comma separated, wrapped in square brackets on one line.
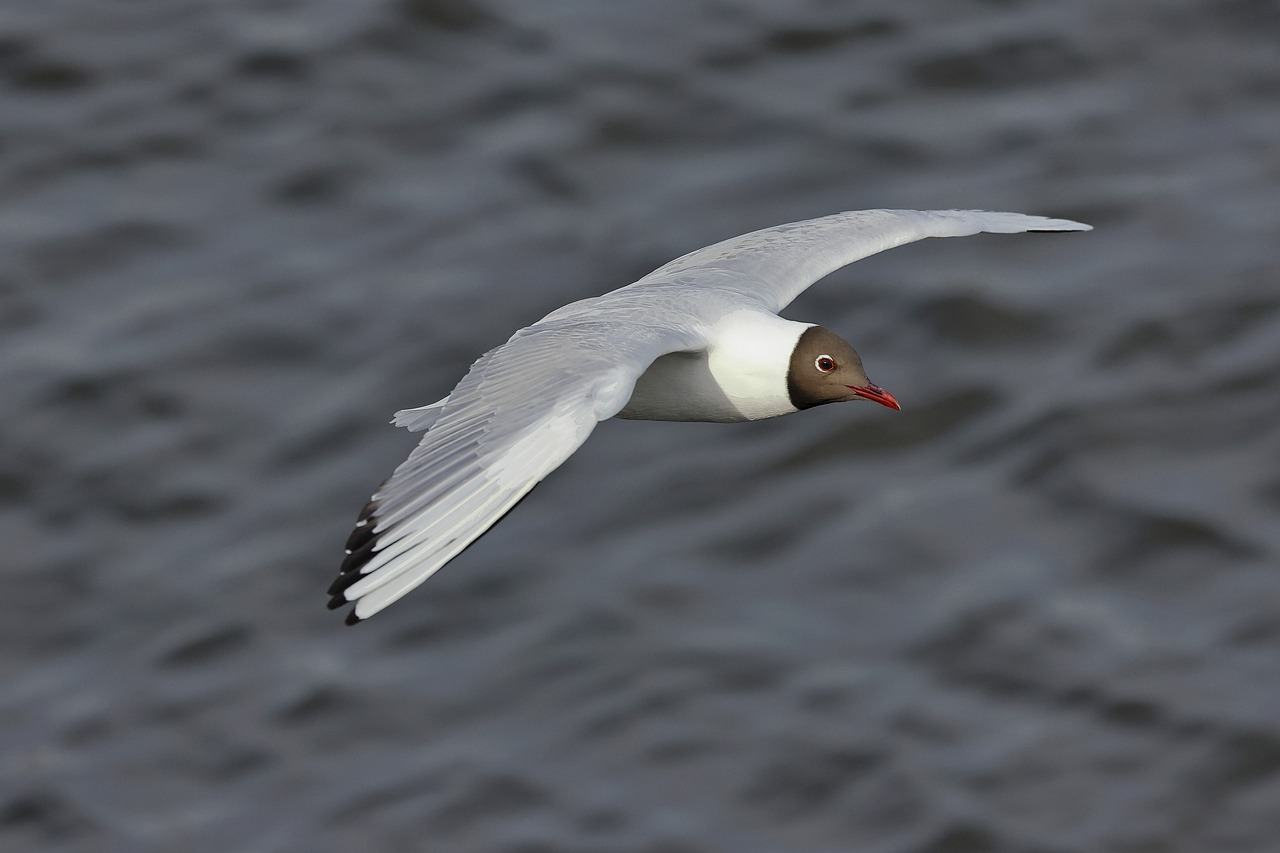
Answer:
[(1036, 611)]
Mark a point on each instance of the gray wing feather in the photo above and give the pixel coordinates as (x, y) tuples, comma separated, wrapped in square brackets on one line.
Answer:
[(775, 265), (520, 412)]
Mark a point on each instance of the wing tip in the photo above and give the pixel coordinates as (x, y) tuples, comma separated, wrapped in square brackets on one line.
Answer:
[(341, 600), (1008, 222), (342, 582), (359, 550), (1050, 224)]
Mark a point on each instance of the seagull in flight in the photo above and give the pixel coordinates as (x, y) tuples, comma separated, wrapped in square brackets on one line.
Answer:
[(698, 339)]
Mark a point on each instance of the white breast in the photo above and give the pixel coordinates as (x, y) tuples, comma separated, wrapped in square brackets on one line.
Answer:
[(741, 377)]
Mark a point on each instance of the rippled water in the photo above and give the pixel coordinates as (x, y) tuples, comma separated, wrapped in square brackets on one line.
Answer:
[(1038, 610)]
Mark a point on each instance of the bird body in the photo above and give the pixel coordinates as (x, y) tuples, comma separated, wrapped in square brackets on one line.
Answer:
[(698, 339), (741, 376)]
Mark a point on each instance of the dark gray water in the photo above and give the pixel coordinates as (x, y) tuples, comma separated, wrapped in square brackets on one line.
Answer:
[(1036, 612)]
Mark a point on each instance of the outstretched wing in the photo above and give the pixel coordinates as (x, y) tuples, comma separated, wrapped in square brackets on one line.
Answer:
[(775, 265), (521, 411)]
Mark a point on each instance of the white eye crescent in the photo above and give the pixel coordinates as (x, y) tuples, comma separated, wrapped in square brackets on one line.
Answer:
[(824, 363)]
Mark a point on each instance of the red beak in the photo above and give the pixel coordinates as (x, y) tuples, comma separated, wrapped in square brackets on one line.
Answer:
[(876, 394)]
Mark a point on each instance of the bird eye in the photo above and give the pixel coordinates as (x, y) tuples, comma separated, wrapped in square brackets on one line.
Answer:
[(824, 363)]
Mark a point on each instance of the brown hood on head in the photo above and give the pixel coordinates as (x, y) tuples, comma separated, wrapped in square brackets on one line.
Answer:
[(825, 369)]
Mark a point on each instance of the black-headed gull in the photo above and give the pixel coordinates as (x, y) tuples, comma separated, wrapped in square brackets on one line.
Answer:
[(698, 339)]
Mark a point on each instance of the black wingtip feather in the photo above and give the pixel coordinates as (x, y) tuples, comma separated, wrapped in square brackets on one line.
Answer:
[(358, 558), (353, 619), (364, 526), (360, 537), (362, 534), (343, 581), (360, 545)]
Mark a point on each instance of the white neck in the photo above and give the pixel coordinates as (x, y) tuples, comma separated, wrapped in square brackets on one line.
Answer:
[(750, 360)]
